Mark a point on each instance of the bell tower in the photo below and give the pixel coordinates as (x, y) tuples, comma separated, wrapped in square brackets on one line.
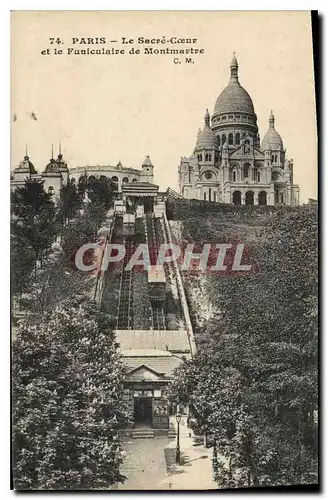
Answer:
[(147, 170)]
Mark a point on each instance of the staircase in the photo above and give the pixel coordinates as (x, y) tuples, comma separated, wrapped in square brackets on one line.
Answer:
[(143, 433)]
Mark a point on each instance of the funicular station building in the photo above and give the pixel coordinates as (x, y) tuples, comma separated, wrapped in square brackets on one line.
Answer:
[(146, 308)]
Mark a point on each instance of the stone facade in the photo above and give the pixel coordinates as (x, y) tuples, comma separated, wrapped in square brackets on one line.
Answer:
[(119, 175), (54, 176), (57, 174), (229, 164)]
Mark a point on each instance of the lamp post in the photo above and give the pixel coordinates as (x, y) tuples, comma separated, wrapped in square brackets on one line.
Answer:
[(177, 454), (215, 459)]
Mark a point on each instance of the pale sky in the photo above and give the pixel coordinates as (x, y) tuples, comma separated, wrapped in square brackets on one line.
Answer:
[(110, 108)]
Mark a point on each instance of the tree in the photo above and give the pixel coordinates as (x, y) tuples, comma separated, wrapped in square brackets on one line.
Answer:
[(253, 383), (70, 201), (100, 190), (22, 262), (67, 401), (34, 222)]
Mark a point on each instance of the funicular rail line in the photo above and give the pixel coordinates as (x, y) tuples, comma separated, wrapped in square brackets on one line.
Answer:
[(125, 301), (157, 314), (158, 319)]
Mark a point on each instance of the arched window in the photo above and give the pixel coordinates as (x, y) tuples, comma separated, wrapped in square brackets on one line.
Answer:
[(258, 176), (230, 139), (238, 139), (246, 170), (134, 180), (234, 176), (73, 180), (51, 190), (223, 139), (103, 178), (115, 179), (125, 180), (206, 157), (209, 157), (200, 158), (219, 141), (281, 198)]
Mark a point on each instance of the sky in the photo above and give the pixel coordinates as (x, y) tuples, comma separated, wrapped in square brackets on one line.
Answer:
[(110, 108)]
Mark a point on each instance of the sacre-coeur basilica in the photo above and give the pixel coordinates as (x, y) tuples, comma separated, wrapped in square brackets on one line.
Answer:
[(229, 163)]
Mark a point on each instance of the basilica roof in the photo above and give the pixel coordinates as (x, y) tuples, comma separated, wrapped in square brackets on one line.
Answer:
[(206, 138), (234, 98), (272, 140)]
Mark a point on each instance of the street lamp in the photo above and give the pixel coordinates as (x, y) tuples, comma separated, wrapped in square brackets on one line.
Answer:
[(177, 454), (215, 459)]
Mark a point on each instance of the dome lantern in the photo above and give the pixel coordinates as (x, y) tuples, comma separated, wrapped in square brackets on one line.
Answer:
[(234, 68), (207, 118)]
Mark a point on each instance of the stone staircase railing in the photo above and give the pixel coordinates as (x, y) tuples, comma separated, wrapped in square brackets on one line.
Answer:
[(181, 292)]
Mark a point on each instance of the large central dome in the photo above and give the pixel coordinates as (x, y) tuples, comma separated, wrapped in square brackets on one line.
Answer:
[(234, 98)]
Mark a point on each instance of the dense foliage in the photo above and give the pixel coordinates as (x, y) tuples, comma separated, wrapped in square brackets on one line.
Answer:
[(253, 383), (67, 401), (67, 375), (33, 229)]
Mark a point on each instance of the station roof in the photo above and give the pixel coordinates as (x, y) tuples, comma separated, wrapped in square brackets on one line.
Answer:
[(155, 340), (162, 364), (140, 188)]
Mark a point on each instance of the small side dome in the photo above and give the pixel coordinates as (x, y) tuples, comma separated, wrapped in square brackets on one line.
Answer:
[(62, 165), (206, 138), (60, 162), (26, 166), (272, 140), (52, 167)]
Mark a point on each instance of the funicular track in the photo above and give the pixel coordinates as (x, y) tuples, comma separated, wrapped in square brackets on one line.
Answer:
[(153, 238), (162, 237), (125, 300)]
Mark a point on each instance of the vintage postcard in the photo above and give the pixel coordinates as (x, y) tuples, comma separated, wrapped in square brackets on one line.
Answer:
[(164, 283)]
